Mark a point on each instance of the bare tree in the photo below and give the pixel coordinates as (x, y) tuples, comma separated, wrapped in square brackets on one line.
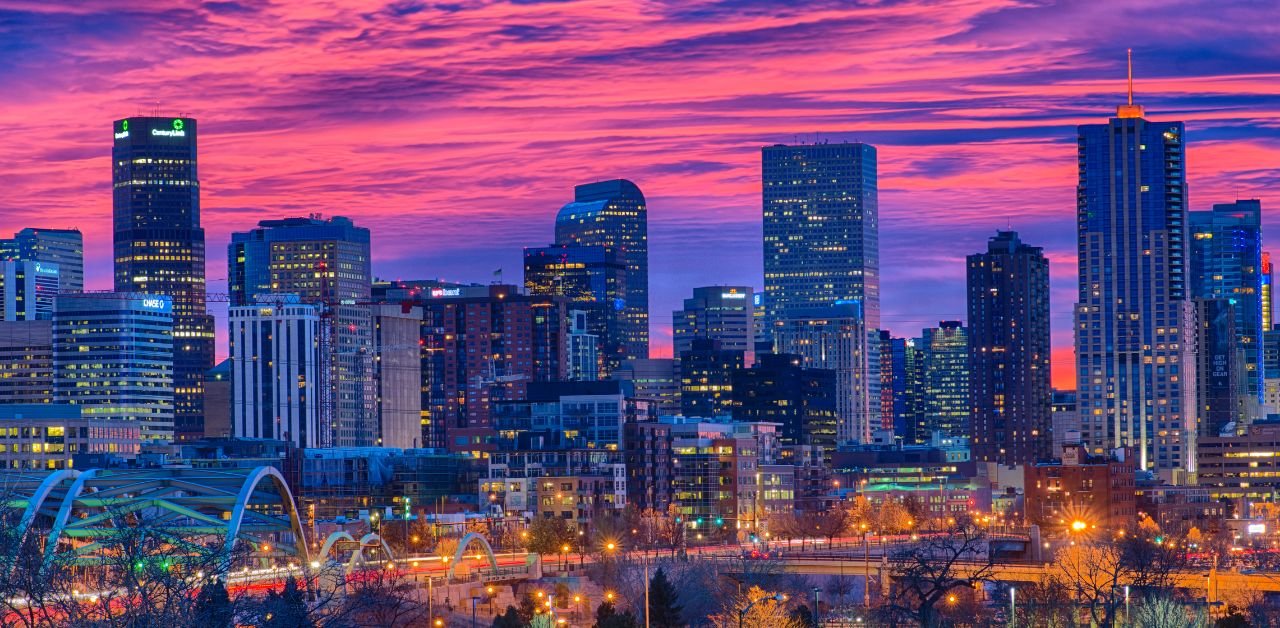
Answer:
[(931, 571), (1099, 573)]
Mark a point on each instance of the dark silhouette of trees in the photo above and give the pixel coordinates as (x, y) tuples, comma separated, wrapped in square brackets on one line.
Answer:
[(664, 602)]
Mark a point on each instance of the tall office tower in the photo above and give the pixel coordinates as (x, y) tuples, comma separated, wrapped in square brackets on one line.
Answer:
[(397, 372), (883, 340), (64, 247), (706, 378), (779, 389), (325, 262), (275, 366), (821, 228), (909, 400), (1134, 368), (613, 214), (584, 355), (26, 361), (653, 380), (1009, 384), (113, 354), (159, 245), (835, 337), (27, 290), (593, 279), (945, 380), (1226, 263), (1271, 373), (1221, 369), (724, 313), (482, 345), (1265, 297)]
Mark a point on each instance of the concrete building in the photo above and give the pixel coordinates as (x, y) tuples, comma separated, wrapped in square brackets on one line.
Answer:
[(945, 379), (647, 445), (275, 372), (49, 436), (836, 338), (1241, 469), (584, 349), (27, 290), (113, 356), (61, 247), (397, 374), (1098, 490), (593, 279), (655, 380), (723, 313), (217, 401), (26, 362)]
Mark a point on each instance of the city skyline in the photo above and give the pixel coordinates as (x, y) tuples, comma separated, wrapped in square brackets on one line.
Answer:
[(963, 151)]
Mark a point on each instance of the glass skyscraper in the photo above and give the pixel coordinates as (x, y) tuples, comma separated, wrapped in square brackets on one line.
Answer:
[(821, 229), (944, 380), (159, 245), (64, 247), (613, 214), (1226, 263), (1009, 384), (593, 280), (1135, 371)]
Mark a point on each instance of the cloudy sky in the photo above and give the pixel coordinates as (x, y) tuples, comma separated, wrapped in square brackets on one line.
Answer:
[(454, 130)]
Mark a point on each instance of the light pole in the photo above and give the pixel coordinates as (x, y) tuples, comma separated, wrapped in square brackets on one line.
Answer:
[(817, 603), (742, 613), (866, 569), (1013, 607), (474, 599)]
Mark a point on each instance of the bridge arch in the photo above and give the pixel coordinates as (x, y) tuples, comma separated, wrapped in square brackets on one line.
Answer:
[(462, 547), (244, 498), (357, 557)]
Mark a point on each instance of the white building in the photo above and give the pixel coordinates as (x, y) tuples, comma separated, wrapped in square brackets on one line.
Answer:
[(275, 358)]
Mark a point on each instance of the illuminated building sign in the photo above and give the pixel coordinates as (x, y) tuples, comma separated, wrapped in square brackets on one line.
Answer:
[(733, 295), (436, 293), (178, 130), (46, 270), (153, 304), (124, 130)]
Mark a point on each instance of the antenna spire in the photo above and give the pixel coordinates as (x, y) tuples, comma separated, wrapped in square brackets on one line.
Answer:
[(1130, 54), (1129, 110)]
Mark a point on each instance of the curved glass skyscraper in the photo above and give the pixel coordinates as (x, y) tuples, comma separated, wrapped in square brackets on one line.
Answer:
[(159, 245)]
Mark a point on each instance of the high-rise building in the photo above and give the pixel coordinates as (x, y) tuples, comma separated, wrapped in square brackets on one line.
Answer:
[(584, 356), (113, 355), (1221, 369), (706, 378), (64, 247), (653, 380), (909, 400), (778, 389), (26, 362), (593, 279), (944, 379), (1009, 382), (275, 367), (1226, 263), (27, 290), (397, 372), (1268, 277), (883, 340), (159, 245), (324, 262), (723, 313), (821, 228), (1134, 368), (835, 337), (613, 214), (217, 401)]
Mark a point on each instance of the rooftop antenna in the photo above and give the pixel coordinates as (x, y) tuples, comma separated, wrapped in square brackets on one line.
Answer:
[(1129, 110)]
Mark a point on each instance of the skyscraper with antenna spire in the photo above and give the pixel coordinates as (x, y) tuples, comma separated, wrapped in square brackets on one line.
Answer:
[(1134, 321)]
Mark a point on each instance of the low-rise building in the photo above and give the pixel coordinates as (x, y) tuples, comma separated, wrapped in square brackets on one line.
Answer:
[(49, 436), (1241, 469), (1096, 490)]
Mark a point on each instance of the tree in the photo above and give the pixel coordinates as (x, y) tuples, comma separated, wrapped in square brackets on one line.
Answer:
[(1159, 611), (756, 608), (607, 616), (664, 602), (382, 597), (930, 571), (213, 606), (287, 608), (828, 523), (510, 619), (548, 536), (1099, 572), (672, 529), (1046, 604)]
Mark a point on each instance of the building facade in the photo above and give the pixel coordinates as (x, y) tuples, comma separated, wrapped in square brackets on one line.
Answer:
[(113, 356), (1009, 352), (706, 378), (723, 313), (593, 280), (275, 366), (655, 380), (397, 373), (49, 437), (802, 401), (944, 380), (26, 362), (836, 338), (160, 246), (27, 290), (1135, 374), (63, 247), (324, 262), (613, 214), (821, 229)]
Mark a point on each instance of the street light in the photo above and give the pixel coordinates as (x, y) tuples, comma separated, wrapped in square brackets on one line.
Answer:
[(1013, 607), (1078, 526)]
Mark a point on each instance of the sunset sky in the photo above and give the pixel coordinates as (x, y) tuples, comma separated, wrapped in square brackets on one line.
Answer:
[(455, 130)]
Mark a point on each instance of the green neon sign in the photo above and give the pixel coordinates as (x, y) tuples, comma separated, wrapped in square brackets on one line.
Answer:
[(177, 125), (124, 125)]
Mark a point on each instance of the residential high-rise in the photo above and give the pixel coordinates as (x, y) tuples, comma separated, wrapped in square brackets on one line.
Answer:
[(1268, 277), (821, 228), (593, 279), (944, 379), (26, 362), (275, 371), (159, 245), (584, 355), (613, 214), (723, 313), (778, 389), (706, 378), (1221, 369), (1009, 384), (1134, 367), (654, 380), (397, 373), (909, 400), (835, 337), (64, 247), (1226, 263), (27, 290), (113, 354), (324, 262)]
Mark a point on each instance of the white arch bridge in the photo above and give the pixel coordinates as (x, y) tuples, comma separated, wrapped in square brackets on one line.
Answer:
[(237, 515)]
